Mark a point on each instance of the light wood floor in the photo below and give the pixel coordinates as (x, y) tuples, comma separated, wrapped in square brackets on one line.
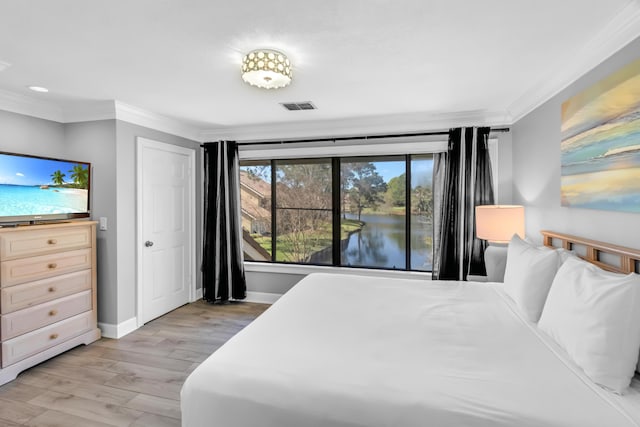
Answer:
[(133, 381)]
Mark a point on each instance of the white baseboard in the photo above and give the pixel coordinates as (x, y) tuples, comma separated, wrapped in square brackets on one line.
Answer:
[(121, 329), (118, 331), (262, 297), (259, 297)]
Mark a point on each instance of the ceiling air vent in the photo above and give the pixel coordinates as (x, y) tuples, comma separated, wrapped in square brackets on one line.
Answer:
[(296, 106)]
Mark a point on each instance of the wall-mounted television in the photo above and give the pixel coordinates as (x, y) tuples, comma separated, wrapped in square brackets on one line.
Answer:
[(35, 189)]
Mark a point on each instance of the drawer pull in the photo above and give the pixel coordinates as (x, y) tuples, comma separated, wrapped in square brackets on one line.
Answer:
[(52, 265), (52, 289), (52, 241), (53, 336), (53, 312)]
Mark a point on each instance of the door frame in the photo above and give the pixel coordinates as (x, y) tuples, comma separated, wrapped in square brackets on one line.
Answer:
[(191, 153)]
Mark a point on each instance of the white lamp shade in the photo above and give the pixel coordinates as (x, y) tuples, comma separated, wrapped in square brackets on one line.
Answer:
[(498, 223)]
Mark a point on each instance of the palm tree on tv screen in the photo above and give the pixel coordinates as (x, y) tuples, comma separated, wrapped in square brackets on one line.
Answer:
[(80, 176), (57, 177)]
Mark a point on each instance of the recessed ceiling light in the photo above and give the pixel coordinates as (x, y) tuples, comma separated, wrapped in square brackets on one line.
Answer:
[(38, 89)]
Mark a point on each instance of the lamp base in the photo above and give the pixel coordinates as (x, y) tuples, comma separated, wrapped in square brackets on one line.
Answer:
[(495, 261)]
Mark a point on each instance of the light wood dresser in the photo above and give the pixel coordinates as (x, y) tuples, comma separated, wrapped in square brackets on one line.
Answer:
[(47, 292)]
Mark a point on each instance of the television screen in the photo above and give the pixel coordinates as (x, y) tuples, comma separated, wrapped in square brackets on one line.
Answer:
[(38, 188)]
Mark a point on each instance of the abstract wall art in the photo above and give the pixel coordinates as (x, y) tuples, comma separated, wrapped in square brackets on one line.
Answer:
[(600, 148)]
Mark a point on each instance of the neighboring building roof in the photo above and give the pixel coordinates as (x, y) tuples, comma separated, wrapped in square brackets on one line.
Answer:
[(256, 185), (255, 212), (252, 249), (258, 188)]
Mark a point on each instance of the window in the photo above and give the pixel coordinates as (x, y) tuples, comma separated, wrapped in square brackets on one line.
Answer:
[(303, 211), (421, 242), (351, 211), (372, 192), (255, 196)]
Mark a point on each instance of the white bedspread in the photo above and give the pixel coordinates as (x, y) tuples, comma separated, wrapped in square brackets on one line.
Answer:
[(346, 351)]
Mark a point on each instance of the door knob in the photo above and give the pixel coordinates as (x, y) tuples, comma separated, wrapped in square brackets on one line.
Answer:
[(148, 243)]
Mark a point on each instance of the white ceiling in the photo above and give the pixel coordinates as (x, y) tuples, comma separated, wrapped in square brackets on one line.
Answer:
[(491, 61)]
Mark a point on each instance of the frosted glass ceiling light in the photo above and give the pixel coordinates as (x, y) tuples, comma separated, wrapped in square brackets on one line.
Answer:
[(266, 68)]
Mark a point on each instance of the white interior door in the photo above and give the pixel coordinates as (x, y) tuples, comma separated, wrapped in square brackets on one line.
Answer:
[(166, 240)]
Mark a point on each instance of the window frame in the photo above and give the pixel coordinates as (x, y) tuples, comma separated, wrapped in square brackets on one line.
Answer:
[(406, 158), (354, 149), (275, 207), (336, 194)]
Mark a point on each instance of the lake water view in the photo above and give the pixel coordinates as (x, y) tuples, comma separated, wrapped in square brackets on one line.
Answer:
[(381, 243)]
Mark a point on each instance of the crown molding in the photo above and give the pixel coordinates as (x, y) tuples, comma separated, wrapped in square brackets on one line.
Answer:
[(29, 106), (138, 116), (89, 111), (382, 124), (623, 28), (617, 33)]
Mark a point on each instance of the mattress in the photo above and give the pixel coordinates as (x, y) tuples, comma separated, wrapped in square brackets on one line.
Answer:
[(347, 351)]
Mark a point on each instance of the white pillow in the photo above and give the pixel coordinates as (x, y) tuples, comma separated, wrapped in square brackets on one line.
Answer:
[(595, 316), (563, 255), (528, 276)]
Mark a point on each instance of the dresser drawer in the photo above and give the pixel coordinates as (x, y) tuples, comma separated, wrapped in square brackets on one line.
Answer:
[(34, 342), (30, 319), (29, 294), (28, 269), (27, 242)]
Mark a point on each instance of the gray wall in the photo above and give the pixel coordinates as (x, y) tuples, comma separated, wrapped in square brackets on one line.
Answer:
[(95, 142), (91, 142), (126, 134), (504, 195), (272, 283), (536, 169), (30, 135), (110, 146)]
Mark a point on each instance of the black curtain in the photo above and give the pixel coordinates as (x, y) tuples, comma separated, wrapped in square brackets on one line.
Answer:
[(222, 260), (462, 181)]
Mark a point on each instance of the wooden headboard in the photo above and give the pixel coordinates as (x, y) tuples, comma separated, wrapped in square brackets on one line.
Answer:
[(629, 258)]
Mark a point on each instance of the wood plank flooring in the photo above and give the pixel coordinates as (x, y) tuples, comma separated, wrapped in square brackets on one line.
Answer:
[(133, 381)]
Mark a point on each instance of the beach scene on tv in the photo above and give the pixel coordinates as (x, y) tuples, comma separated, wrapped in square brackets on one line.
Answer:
[(36, 186)]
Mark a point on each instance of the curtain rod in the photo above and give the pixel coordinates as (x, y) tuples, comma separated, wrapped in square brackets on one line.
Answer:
[(353, 138)]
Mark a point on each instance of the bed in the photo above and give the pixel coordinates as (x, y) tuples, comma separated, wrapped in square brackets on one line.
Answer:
[(348, 350)]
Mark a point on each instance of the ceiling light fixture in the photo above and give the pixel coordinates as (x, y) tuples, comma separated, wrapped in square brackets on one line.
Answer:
[(38, 89), (266, 68)]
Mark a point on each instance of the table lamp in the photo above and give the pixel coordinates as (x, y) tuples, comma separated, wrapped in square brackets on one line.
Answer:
[(497, 224)]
